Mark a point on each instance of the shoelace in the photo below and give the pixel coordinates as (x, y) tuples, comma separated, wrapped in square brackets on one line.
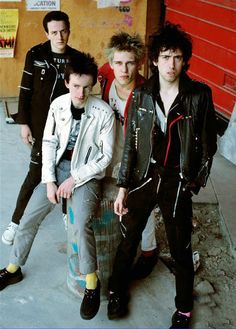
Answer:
[(11, 227), (114, 299), (182, 318), (90, 293), (3, 272)]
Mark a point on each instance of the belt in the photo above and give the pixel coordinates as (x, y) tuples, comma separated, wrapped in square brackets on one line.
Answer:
[(67, 155)]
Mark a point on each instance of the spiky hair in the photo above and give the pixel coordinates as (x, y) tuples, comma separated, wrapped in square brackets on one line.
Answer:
[(123, 41)]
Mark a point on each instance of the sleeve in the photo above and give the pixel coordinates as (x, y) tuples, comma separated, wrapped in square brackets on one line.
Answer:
[(130, 150), (49, 148), (208, 137), (26, 91)]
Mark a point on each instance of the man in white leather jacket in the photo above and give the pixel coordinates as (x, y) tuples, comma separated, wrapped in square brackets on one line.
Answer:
[(77, 148)]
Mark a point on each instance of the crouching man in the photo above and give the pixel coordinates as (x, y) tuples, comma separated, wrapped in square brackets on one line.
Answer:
[(77, 148)]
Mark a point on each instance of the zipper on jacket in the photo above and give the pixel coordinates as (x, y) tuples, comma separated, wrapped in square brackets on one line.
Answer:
[(100, 158), (54, 124), (88, 154), (101, 150), (55, 82), (169, 139), (136, 138), (177, 198), (205, 176), (181, 143), (139, 187), (101, 146), (180, 158), (150, 153), (159, 183)]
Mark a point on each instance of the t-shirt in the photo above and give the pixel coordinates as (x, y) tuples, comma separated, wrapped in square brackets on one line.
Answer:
[(75, 126), (60, 61), (118, 106)]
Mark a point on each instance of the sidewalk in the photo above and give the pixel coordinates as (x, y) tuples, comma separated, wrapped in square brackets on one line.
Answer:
[(221, 190), (42, 299)]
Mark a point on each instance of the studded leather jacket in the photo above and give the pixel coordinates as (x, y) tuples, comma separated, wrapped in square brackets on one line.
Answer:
[(196, 129), (38, 87)]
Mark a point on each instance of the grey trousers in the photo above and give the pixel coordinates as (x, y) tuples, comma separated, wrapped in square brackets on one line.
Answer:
[(83, 205)]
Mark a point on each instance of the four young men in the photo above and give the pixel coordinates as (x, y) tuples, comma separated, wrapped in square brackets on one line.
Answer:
[(169, 123)]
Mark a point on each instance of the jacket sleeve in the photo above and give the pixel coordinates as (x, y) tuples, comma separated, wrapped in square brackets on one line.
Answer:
[(208, 137), (99, 163), (26, 91), (49, 148), (130, 150)]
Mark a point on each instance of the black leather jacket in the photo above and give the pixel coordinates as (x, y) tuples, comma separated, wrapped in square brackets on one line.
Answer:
[(196, 128), (37, 89)]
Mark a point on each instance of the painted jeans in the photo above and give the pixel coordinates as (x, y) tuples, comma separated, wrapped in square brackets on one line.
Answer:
[(82, 205)]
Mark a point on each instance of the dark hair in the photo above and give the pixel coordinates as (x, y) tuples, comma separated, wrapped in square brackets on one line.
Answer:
[(56, 15), (170, 37), (82, 63), (123, 41)]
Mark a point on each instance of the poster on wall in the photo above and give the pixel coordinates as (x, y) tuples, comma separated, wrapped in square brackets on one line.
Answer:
[(8, 30), (111, 3), (107, 3), (43, 5)]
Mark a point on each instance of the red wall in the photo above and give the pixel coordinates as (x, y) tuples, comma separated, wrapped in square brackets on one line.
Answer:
[(212, 25)]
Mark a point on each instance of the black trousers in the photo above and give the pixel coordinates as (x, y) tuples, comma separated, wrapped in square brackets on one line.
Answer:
[(176, 207), (32, 179)]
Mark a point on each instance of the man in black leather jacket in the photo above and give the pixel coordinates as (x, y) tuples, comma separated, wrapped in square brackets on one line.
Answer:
[(42, 81), (169, 146)]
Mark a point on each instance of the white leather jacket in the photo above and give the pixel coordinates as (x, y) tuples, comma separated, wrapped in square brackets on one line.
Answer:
[(94, 146)]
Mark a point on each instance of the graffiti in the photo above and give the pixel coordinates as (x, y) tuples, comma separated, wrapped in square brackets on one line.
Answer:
[(128, 20), (124, 9)]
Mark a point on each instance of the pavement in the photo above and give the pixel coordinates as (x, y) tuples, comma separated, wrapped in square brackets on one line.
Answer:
[(42, 299)]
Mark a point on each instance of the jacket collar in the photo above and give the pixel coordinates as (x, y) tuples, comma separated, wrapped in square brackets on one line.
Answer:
[(47, 52), (152, 86)]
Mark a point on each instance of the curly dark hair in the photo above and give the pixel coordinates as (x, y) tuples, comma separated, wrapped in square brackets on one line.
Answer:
[(170, 37)]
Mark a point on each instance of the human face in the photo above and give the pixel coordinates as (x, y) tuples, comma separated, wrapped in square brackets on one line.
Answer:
[(79, 87), (125, 68), (170, 64), (58, 34)]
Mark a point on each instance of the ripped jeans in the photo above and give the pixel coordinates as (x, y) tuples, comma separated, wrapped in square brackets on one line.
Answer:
[(176, 207)]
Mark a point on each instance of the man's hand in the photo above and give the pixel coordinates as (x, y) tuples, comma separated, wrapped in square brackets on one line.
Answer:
[(65, 189), (26, 134), (52, 192), (119, 205)]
